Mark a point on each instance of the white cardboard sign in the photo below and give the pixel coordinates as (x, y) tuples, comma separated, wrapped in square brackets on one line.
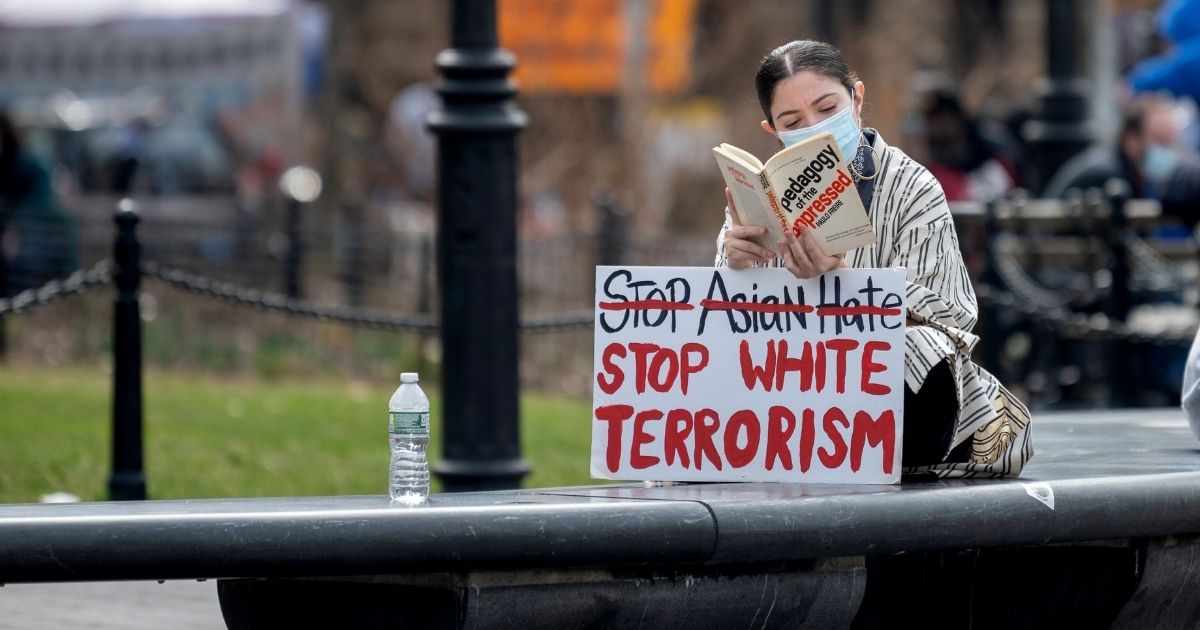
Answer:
[(711, 374)]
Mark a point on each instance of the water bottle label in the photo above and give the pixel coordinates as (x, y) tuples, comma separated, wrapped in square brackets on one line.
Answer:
[(408, 422)]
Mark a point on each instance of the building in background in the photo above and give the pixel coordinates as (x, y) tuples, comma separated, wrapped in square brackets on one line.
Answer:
[(193, 107), (225, 79)]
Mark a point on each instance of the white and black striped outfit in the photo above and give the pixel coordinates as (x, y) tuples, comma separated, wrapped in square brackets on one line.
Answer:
[(915, 231)]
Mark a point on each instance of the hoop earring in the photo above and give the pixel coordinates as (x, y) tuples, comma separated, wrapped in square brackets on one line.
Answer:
[(862, 140)]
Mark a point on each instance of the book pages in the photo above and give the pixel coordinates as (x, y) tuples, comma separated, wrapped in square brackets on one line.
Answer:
[(753, 200)]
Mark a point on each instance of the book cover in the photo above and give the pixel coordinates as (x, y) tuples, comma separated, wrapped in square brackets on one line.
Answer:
[(806, 186)]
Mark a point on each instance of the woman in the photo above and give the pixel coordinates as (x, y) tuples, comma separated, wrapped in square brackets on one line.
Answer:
[(959, 420)]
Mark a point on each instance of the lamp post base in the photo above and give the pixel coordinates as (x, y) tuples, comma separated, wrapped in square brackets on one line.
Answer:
[(461, 475)]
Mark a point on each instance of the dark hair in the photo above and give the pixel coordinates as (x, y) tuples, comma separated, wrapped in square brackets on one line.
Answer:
[(943, 101), (1133, 115), (1133, 118), (799, 56)]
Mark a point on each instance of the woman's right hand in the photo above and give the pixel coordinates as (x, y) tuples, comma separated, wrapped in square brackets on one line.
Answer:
[(740, 250)]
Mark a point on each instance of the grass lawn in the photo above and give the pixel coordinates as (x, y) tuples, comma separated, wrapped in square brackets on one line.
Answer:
[(206, 437)]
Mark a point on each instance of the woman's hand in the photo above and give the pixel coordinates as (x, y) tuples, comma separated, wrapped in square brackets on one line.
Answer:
[(804, 258), (740, 250)]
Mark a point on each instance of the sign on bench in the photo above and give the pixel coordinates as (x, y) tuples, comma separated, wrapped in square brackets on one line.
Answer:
[(711, 374)]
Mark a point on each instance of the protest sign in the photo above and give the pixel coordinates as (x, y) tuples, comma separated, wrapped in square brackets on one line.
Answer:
[(711, 374)]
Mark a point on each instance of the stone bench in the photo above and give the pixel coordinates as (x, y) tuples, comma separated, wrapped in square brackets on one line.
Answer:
[(1100, 530)]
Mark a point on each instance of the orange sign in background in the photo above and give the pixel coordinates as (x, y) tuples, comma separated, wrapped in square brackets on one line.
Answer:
[(579, 46)]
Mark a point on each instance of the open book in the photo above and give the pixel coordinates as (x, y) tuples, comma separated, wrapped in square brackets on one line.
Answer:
[(806, 186)]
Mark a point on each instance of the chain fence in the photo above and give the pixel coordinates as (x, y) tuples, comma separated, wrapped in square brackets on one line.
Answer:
[(276, 303), (1040, 317), (1067, 296), (1040, 304), (76, 283), (101, 274), (1041, 329), (273, 302)]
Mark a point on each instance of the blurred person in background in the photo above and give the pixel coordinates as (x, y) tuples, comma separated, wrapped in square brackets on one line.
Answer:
[(1159, 154), (958, 419), (1177, 71), (411, 141), (1148, 156), (130, 155), (968, 164), (36, 237)]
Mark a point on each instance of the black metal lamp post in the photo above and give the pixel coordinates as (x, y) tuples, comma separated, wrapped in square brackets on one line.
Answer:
[(1060, 127), (477, 254)]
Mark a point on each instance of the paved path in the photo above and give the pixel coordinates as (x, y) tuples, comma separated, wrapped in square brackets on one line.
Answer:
[(180, 604)]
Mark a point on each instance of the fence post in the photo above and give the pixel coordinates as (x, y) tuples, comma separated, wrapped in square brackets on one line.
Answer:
[(991, 326), (128, 481), (300, 185), (291, 263), (3, 287), (1118, 193), (426, 266), (613, 241), (1124, 381), (352, 244)]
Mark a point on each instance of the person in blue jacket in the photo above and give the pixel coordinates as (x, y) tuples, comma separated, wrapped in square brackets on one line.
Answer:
[(1177, 71)]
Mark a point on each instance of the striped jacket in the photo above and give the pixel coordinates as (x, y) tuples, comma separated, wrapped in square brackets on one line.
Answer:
[(915, 231)]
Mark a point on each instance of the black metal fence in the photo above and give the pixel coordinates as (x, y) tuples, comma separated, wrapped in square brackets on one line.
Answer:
[(1074, 295), (1058, 283), (382, 259), (1086, 302)]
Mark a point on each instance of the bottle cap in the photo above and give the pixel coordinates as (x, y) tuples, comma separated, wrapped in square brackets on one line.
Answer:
[(409, 377)]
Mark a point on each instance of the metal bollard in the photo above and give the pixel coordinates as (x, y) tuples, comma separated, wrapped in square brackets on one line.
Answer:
[(1124, 380), (990, 324), (613, 240), (291, 264), (128, 480), (3, 288), (353, 255), (1117, 193), (299, 185)]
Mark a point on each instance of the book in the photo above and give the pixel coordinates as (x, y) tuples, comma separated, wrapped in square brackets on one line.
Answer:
[(806, 186)]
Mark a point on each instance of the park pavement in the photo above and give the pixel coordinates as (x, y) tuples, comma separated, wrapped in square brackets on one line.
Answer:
[(178, 604)]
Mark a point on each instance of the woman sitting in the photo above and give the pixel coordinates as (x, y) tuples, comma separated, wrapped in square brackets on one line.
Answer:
[(959, 421)]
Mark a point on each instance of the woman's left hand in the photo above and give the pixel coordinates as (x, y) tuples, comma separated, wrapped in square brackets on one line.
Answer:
[(804, 258)]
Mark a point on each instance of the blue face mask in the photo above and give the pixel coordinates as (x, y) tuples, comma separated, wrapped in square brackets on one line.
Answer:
[(1158, 162), (845, 131)]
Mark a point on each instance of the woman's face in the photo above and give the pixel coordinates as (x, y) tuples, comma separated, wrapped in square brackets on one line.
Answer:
[(806, 98)]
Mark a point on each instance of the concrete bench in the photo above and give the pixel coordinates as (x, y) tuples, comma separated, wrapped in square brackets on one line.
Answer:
[(1100, 530)]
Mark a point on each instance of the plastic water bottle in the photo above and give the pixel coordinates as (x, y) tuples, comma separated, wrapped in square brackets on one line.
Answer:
[(408, 433)]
